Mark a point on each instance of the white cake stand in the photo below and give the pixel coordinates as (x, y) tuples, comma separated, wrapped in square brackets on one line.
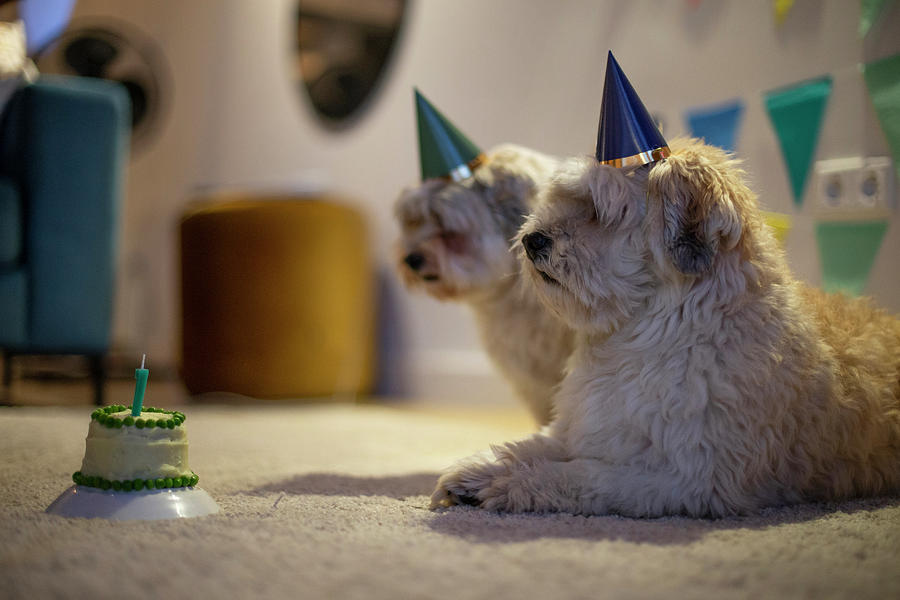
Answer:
[(145, 505)]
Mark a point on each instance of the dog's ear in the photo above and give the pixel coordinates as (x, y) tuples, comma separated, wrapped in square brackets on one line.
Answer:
[(617, 193), (699, 219)]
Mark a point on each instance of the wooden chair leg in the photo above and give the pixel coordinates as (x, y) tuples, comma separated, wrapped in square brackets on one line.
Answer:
[(98, 376), (7, 368)]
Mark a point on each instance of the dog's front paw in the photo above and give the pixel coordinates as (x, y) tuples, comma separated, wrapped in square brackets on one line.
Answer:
[(451, 492), (469, 485)]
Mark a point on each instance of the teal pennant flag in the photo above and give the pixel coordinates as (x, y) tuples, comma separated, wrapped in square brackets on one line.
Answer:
[(717, 125), (883, 81), (796, 113), (847, 251)]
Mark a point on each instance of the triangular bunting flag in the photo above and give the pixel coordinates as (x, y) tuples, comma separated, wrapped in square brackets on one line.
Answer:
[(883, 80), (782, 8), (796, 114), (44, 22), (780, 224), (717, 125), (847, 251), (869, 12)]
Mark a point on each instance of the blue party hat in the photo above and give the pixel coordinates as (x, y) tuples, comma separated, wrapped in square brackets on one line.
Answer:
[(627, 135), (444, 152)]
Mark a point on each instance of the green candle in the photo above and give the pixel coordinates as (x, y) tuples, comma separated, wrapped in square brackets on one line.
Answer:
[(141, 375)]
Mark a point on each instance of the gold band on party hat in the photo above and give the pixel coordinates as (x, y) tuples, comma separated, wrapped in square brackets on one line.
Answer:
[(639, 159), (463, 172)]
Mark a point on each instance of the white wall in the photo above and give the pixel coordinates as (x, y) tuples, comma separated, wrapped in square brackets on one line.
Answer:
[(502, 70)]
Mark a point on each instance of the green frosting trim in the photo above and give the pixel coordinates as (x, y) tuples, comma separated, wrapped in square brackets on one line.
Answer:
[(135, 485), (167, 419)]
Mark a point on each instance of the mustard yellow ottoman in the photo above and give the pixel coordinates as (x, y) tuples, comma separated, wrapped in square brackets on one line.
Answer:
[(277, 298)]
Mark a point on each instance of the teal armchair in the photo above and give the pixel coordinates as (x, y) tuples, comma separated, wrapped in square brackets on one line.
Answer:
[(63, 155)]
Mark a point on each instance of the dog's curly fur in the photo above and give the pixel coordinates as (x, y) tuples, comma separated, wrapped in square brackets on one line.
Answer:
[(455, 245), (706, 380)]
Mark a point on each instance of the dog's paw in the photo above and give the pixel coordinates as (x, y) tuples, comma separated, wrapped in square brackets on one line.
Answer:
[(469, 485), (510, 487)]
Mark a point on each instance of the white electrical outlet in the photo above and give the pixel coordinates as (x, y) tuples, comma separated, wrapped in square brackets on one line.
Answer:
[(876, 179), (854, 187)]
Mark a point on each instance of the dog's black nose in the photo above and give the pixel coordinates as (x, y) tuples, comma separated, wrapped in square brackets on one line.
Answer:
[(414, 260), (536, 244)]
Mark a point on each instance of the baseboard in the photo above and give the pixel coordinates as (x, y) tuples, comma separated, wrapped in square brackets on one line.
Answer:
[(458, 376)]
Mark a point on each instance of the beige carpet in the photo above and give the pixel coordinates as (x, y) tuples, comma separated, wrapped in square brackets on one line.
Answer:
[(330, 502)]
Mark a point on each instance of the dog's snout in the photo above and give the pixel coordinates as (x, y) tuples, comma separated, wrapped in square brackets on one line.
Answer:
[(536, 244), (414, 260)]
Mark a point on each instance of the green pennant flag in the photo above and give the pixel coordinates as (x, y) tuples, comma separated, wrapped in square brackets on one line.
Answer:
[(869, 12), (883, 81), (847, 250), (796, 114)]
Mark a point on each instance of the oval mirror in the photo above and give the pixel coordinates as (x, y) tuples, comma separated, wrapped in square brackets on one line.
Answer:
[(342, 50)]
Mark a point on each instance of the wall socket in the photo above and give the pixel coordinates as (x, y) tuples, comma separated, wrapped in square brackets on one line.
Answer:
[(854, 187)]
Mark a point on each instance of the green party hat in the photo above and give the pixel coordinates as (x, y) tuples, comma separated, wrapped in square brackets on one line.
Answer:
[(444, 152)]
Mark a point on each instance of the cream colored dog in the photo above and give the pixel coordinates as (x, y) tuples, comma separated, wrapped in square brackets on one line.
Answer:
[(706, 380), (455, 245)]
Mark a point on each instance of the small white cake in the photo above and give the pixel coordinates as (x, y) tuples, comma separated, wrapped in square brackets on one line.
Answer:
[(127, 453)]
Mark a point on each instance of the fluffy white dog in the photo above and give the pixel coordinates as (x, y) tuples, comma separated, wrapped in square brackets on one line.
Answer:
[(455, 245), (706, 380)]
